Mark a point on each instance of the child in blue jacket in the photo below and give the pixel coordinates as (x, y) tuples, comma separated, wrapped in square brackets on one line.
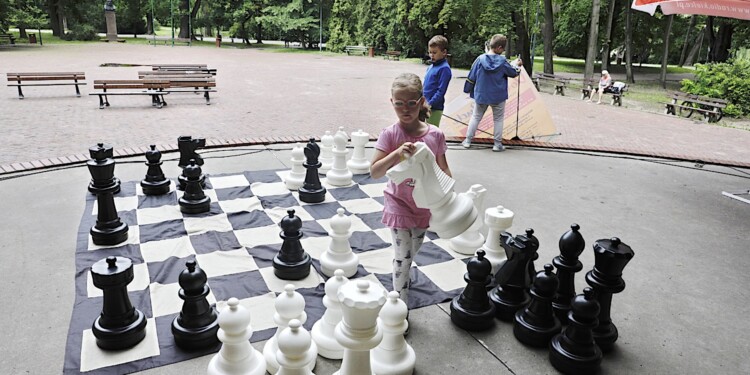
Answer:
[(437, 78)]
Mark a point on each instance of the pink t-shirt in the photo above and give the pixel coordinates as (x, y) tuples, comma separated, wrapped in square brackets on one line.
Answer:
[(400, 210)]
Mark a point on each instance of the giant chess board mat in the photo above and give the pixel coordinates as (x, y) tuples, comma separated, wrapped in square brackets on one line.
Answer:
[(234, 244)]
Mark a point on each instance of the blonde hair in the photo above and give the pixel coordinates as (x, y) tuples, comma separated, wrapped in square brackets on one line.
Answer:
[(411, 83), (498, 40)]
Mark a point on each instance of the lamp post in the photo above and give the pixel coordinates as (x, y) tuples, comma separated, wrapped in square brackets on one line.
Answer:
[(320, 28)]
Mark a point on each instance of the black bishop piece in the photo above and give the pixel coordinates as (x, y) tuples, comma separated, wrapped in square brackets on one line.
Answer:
[(109, 229), (312, 191), (472, 310), (536, 324), (102, 169), (292, 262), (512, 279), (194, 200), (198, 322), (571, 245), (155, 182), (574, 351)]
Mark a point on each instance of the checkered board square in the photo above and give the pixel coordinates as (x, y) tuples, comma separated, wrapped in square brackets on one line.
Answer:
[(235, 244)]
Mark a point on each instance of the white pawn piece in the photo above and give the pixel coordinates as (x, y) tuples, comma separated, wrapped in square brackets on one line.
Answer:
[(468, 242), (394, 356), (339, 175), (236, 355), (289, 305), (322, 330), (498, 220), (359, 164), (358, 330), (339, 254), (326, 153), (296, 176), (294, 350)]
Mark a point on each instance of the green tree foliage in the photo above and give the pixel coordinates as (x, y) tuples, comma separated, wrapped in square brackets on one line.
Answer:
[(730, 81), (297, 20)]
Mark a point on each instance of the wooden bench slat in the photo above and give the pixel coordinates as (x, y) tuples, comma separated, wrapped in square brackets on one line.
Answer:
[(46, 74), (19, 77), (47, 84)]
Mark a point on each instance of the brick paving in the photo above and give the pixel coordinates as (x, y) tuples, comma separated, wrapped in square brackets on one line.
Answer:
[(270, 97)]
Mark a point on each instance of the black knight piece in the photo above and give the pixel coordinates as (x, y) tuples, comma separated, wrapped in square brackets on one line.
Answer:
[(292, 262), (187, 146), (610, 258), (511, 292), (536, 324), (312, 191), (198, 322), (102, 169), (472, 310), (155, 182), (120, 325), (574, 351), (194, 200), (571, 245)]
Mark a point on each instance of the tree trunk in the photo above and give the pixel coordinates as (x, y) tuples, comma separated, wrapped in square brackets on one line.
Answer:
[(683, 55), (194, 15), (54, 8), (665, 54), (259, 33), (710, 38), (149, 23), (608, 39), (549, 37), (695, 51), (22, 32), (723, 42), (629, 46), (588, 71), (523, 42), (184, 19)]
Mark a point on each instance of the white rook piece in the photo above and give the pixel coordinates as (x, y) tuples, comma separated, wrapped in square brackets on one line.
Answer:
[(339, 254), (294, 350), (498, 220), (470, 241), (359, 164), (339, 175), (322, 330), (296, 176), (289, 305), (394, 356), (358, 332), (326, 153), (236, 356)]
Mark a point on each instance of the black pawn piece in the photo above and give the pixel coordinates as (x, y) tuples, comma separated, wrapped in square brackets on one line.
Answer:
[(198, 322), (512, 278), (574, 350), (155, 182), (120, 325), (535, 242), (187, 146), (194, 200), (567, 264), (312, 191), (102, 169), (537, 324), (472, 310), (610, 258), (292, 262)]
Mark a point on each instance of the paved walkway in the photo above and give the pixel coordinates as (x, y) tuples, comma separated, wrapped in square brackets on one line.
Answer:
[(266, 96)]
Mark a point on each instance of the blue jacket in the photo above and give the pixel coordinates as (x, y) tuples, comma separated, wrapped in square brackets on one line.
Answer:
[(436, 82), (490, 73)]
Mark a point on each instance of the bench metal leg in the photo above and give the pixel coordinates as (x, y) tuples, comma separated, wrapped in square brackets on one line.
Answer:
[(208, 98), (78, 92), (101, 102), (670, 109), (20, 93), (585, 94)]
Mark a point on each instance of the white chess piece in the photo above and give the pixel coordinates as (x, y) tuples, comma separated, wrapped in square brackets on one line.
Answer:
[(468, 242), (322, 330), (236, 356), (359, 164), (289, 305), (394, 356), (296, 176), (294, 350), (358, 331), (326, 153), (339, 254), (498, 220), (339, 175)]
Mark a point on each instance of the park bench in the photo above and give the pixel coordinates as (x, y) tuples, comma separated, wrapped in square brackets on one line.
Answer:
[(191, 68), (617, 90), (46, 79), (132, 87), (559, 82), (684, 104), (356, 49), (183, 83), (392, 55), (10, 38)]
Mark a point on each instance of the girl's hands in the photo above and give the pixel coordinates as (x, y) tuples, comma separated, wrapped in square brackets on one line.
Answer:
[(406, 150)]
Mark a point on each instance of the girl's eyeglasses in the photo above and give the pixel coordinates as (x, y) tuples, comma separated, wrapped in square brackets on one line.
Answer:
[(409, 104)]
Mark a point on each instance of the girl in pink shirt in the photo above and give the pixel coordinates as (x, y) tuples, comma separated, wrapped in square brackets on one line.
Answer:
[(408, 223)]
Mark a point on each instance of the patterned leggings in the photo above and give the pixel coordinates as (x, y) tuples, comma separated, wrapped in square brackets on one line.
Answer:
[(406, 244)]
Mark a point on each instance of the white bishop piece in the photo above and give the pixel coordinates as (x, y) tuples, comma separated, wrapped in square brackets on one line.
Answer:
[(394, 356), (322, 330), (468, 242), (358, 332), (326, 153), (339, 175), (289, 305), (339, 254), (296, 176), (359, 164), (236, 356), (294, 350), (498, 220)]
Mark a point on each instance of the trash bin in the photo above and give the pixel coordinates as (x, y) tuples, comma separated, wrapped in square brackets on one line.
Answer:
[(371, 51), (32, 38), (218, 40)]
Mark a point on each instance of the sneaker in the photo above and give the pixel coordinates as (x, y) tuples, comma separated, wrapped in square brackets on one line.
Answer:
[(498, 148), (466, 143)]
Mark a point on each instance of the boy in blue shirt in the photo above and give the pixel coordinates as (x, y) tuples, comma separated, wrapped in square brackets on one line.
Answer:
[(437, 78)]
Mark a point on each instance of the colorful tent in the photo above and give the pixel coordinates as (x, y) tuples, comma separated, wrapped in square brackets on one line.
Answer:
[(739, 9)]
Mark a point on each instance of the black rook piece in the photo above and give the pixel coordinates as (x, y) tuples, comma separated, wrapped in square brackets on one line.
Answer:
[(155, 182), (187, 146), (574, 350), (472, 310), (610, 258), (537, 324), (102, 169), (198, 322), (312, 191), (292, 262), (512, 279), (571, 245), (120, 325), (193, 201)]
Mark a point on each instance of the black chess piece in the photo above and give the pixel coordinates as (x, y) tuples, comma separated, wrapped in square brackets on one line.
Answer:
[(120, 325), (187, 146), (292, 262), (535, 242), (610, 258), (102, 169), (472, 310), (536, 324), (512, 278), (198, 322), (194, 200), (571, 245), (574, 351), (311, 190), (155, 182)]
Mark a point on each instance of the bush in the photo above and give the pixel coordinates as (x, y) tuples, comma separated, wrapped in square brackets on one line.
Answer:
[(81, 32), (729, 81)]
